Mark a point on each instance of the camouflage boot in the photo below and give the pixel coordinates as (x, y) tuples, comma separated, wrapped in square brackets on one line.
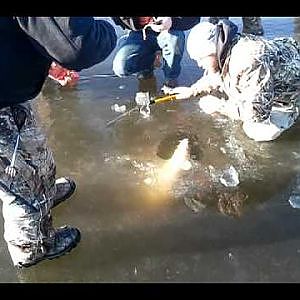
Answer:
[(252, 25), (61, 241), (65, 187)]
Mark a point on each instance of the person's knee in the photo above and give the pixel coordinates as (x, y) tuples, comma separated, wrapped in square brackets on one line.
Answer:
[(119, 67), (125, 62), (261, 132)]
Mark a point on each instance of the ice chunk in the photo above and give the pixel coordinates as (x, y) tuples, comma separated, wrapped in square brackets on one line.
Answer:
[(230, 177), (294, 200), (117, 108)]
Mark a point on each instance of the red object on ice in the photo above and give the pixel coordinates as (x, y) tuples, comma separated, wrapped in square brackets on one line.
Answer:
[(62, 75)]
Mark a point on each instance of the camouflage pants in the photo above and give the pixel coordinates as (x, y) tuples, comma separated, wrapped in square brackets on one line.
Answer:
[(251, 25), (26, 197)]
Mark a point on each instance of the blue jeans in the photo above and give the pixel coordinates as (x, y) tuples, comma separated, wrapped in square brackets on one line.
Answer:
[(136, 56)]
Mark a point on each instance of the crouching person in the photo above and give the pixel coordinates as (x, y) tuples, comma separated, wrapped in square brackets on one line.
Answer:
[(259, 78), (28, 188)]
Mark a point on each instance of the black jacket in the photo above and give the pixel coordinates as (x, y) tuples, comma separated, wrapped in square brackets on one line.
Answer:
[(28, 45), (178, 23)]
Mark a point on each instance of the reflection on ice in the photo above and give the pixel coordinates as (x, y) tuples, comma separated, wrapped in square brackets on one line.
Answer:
[(179, 161)]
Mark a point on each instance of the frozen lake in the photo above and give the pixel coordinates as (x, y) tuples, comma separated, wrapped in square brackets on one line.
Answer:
[(135, 226)]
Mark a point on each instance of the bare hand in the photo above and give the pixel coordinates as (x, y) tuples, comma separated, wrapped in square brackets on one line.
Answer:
[(161, 23), (182, 92)]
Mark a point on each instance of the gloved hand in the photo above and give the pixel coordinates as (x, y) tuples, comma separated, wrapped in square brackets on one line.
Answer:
[(161, 23), (62, 75), (211, 104), (182, 92)]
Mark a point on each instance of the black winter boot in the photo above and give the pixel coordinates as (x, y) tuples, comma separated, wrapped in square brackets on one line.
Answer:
[(61, 241), (65, 187)]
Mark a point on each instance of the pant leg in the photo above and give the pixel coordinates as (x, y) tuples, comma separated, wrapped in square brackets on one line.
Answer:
[(27, 196), (252, 25), (135, 55), (297, 29), (172, 44)]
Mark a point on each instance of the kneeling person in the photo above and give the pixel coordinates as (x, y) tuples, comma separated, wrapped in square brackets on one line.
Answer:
[(258, 77)]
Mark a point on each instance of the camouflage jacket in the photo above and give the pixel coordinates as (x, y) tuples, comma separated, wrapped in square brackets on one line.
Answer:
[(259, 74)]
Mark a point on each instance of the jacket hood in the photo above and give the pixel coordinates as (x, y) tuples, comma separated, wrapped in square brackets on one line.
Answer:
[(226, 31)]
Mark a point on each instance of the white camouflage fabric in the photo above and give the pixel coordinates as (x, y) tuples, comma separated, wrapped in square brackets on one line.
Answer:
[(27, 196), (259, 75)]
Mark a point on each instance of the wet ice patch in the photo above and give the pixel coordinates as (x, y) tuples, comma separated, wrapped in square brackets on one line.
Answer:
[(145, 171), (194, 204), (296, 155)]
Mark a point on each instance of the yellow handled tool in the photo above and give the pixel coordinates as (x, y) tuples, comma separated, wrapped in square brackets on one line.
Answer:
[(163, 99)]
